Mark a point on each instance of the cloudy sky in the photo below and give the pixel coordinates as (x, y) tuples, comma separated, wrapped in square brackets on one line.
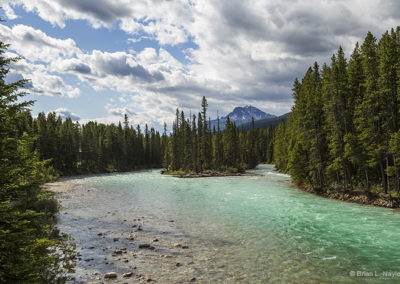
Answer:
[(99, 59)]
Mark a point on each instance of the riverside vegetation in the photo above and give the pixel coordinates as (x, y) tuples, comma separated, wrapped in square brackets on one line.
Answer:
[(343, 133)]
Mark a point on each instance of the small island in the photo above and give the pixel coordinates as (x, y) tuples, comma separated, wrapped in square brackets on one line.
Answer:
[(181, 174)]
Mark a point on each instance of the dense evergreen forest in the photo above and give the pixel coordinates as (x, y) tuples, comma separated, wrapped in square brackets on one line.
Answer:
[(30, 250), (71, 148), (93, 147), (194, 147), (343, 131)]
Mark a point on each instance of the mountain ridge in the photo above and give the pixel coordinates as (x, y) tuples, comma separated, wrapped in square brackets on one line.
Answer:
[(241, 115)]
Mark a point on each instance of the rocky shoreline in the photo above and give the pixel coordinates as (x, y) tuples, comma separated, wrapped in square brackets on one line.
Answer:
[(119, 249), (357, 196)]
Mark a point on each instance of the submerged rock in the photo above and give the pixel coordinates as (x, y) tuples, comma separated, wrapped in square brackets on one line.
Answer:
[(110, 275), (146, 246)]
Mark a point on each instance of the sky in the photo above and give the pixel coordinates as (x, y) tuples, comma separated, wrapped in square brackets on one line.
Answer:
[(101, 59)]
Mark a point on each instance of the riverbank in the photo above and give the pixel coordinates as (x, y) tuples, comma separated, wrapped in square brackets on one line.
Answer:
[(357, 196)]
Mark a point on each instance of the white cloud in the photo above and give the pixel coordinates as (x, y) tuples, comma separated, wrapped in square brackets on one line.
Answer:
[(41, 81), (66, 113), (246, 51), (35, 45), (51, 85)]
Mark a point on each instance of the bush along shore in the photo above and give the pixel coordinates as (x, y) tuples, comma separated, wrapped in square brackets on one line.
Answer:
[(356, 196)]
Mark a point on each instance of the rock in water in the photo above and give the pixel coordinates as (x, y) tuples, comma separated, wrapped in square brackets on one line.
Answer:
[(110, 275), (128, 274), (146, 246)]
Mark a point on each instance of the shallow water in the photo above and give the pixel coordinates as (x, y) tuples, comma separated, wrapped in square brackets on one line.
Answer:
[(238, 229)]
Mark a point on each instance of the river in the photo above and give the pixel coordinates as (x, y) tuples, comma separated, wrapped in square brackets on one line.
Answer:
[(254, 229)]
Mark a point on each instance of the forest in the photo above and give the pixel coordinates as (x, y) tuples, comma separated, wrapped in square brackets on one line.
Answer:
[(71, 148), (343, 131), (93, 147)]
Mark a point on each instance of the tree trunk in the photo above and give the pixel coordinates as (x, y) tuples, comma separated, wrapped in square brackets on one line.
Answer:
[(396, 171), (366, 178), (383, 176), (388, 180)]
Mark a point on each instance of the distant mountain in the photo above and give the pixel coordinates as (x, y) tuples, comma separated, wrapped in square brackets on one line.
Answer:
[(265, 123), (241, 115)]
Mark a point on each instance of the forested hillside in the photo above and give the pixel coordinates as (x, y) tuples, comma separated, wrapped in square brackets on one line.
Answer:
[(343, 131), (266, 122)]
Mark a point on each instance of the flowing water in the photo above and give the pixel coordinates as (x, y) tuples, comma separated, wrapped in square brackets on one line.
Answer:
[(254, 229)]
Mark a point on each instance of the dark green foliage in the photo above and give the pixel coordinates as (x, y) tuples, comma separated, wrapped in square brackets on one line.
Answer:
[(30, 250), (344, 127), (194, 147), (94, 147)]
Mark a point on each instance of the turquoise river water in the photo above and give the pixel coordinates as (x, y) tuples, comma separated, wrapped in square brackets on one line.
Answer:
[(253, 229)]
